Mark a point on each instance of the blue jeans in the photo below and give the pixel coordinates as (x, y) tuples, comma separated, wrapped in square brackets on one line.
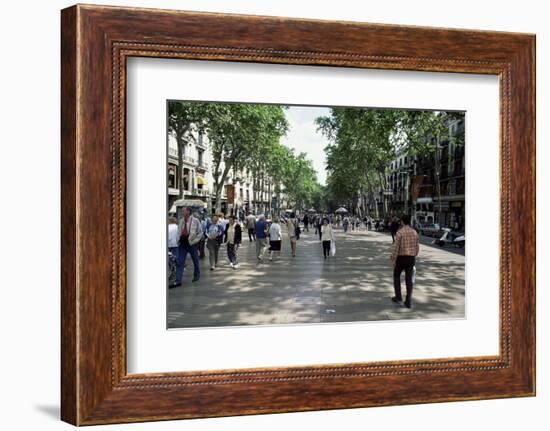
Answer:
[(182, 255)]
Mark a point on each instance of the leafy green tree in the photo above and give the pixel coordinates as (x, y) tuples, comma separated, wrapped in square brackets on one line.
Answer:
[(240, 136), (363, 143), (184, 120)]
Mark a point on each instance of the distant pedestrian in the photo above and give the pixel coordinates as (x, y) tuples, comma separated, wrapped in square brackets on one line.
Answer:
[(274, 238), (345, 224), (306, 223), (190, 232), (223, 221), (293, 228), (261, 232), (405, 250), (394, 227), (251, 227), (326, 237), (214, 236), (233, 238), (318, 224), (202, 242)]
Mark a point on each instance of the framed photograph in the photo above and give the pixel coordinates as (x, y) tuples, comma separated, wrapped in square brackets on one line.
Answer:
[(264, 214)]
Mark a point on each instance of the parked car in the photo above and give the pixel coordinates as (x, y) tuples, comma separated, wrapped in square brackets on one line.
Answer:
[(432, 229)]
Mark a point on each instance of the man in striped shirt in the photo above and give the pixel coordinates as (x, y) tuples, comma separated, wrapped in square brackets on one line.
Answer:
[(405, 250)]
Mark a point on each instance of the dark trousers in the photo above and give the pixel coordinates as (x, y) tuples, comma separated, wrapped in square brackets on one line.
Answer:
[(403, 263), (183, 249), (202, 242), (232, 253), (326, 248), (251, 234), (213, 247), (393, 235)]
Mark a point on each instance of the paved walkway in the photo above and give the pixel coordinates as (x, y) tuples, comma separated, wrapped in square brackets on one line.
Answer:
[(354, 285)]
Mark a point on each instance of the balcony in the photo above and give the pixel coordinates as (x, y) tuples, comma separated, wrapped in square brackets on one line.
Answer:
[(200, 142), (189, 160), (173, 152), (202, 166), (202, 192)]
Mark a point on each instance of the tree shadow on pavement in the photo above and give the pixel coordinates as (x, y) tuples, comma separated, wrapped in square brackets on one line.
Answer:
[(354, 285)]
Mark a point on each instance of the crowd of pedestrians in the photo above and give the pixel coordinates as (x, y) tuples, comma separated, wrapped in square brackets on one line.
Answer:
[(193, 234)]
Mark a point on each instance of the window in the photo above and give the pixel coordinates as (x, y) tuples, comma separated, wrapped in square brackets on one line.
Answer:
[(201, 156), (172, 176), (186, 178)]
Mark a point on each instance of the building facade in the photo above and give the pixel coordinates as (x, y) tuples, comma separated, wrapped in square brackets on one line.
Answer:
[(243, 191), (431, 189)]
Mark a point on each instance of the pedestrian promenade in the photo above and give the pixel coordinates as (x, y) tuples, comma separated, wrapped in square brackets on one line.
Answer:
[(355, 285)]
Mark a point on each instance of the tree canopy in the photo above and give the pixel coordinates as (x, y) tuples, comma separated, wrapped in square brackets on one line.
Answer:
[(363, 143), (247, 136)]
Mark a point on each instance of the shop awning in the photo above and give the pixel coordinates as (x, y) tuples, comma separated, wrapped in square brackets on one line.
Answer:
[(201, 181)]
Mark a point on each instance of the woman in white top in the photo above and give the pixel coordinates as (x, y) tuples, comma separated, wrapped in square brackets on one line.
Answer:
[(274, 238), (326, 237), (173, 236)]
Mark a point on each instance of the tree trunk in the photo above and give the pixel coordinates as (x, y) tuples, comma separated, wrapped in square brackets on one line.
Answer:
[(382, 180), (371, 190), (179, 177), (262, 191), (219, 182), (438, 180)]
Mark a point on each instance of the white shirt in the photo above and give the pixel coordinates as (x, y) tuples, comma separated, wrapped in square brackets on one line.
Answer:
[(274, 231), (326, 233), (172, 235)]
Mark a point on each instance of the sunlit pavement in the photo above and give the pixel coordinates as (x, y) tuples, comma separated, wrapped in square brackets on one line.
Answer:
[(354, 285)]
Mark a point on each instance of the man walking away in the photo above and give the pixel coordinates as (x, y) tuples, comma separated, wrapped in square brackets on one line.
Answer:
[(261, 237), (306, 223), (251, 226), (405, 250), (233, 237), (190, 233)]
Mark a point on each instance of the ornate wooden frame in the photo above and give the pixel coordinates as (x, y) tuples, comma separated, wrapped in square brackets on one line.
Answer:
[(95, 43)]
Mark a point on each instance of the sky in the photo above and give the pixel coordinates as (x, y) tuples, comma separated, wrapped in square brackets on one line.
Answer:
[(303, 137)]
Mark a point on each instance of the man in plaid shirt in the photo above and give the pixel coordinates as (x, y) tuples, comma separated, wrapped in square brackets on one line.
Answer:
[(405, 250)]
